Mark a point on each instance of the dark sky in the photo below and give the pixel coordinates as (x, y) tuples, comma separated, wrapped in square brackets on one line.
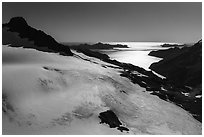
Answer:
[(93, 22)]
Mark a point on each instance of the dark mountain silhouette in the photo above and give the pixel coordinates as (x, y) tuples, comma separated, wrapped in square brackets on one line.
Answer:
[(98, 45), (172, 45), (182, 66), (168, 53), (19, 29)]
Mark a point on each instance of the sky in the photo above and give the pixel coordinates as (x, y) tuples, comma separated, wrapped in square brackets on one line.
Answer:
[(112, 22)]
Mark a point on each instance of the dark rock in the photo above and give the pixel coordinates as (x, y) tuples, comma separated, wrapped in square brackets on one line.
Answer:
[(181, 66), (42, 41), (18, 23), (172, 45), (122, 91), (6, 106), (110, 118), (168, 53), (98, 46), (121, 128), (93, 54)]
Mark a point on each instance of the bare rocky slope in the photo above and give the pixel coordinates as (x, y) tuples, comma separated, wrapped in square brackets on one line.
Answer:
[(41, 41), (182, 66)]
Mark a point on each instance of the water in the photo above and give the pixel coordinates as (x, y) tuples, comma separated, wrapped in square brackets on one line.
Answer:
[(137, 54)]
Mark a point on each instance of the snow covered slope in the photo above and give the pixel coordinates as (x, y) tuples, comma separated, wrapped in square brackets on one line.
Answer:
[(45, 93)]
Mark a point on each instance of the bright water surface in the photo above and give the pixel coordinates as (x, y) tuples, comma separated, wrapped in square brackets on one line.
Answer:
[(136, 54)]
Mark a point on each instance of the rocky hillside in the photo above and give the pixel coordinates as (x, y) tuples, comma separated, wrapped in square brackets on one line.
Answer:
[(182, 66), (17, 31)]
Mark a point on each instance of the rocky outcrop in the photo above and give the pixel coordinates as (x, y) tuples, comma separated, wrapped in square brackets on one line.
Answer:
[(183, 69), (18, 28), (110, 118), (182, 66), (168, 53)]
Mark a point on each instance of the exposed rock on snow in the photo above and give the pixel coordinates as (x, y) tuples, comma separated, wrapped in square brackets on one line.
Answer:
[(111, 119), (51, 94)]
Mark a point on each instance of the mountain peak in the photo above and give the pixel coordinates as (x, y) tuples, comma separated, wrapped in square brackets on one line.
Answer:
[(200, 41), (17, 22), (41, 40)]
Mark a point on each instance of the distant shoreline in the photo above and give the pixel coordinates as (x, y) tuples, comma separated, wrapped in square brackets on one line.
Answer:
[(114, 42)]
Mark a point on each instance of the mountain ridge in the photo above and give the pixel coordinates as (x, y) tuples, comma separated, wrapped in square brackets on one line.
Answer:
[(182, 66), (42, 41)]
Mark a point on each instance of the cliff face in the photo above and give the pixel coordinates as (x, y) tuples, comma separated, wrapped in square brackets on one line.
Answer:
[(182, 66), (19, 29)]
